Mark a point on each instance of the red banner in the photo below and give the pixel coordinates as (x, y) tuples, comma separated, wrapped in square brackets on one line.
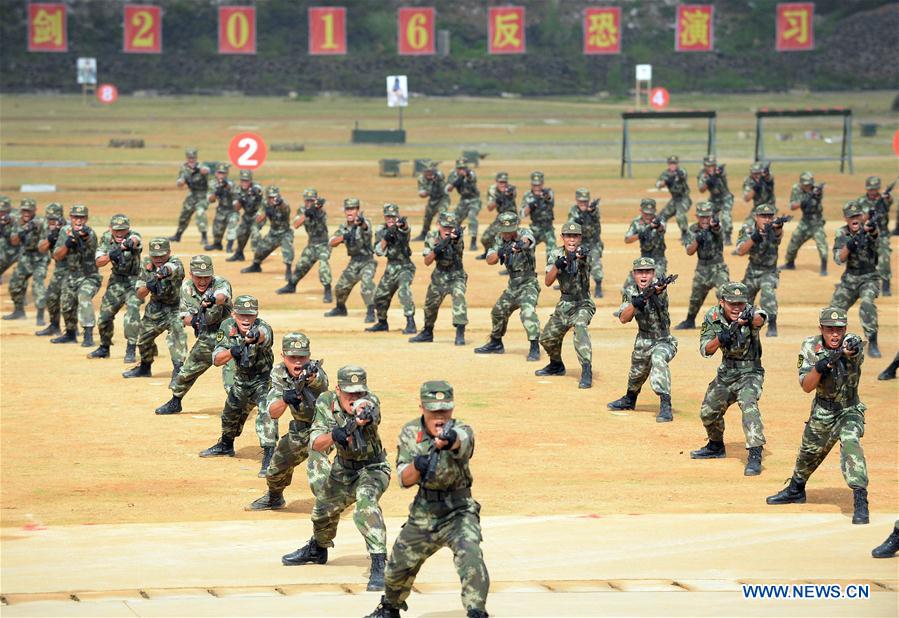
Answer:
[(143, 29), (47, 28), (695, 30), (237, 30), (602, 30), (505, 30), (415, 31), (327, 30), (796, 26)]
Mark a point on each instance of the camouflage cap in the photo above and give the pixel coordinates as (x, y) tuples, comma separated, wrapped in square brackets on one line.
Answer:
[(201, 266), (852, 209), (5, 206), (352, 379), (246, 305), (295, 344), (673, 159), (756, 168), (54, 211), (437, 395), (582, 194), (644, 263), (833, 316), (78, 210), (460, 163), (391, 210), (648, 205), (537, 178), (502, 177), (119, 222), (734, 292), (709, 160), (508, 222), (246, 175), (159, 247), (5, 201), (432, 166), (310, 194), (570, 228), (191, 153), (351, 203), (273, 191), (872, 183), (704, 209), (28, 204), (765, 209), (447, 219), (806, 178), (222, 167)]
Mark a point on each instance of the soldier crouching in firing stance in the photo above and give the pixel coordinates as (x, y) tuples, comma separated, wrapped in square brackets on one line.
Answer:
[(465, 182), (196, 178), (355, 234), (296, 383), (277, 213), (392, 241), (646, 300), (760, 240), (315, 221), (76, 247), (807, 196), (830, 364), (705, 240), (348, 420), (433, 452), (586, 214), (733, 327)]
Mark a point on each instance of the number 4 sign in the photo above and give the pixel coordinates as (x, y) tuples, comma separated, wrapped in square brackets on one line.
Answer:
[(247, 151), (658, 98)]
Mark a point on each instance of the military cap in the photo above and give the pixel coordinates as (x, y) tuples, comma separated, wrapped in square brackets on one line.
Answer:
[(648, 205), (447, 219), (432, 166), (582, 194), (5, 207), (391, 210), (872, 183), (709, 160), (764, 209), (295, 344), (673, 159), (502, 177), (644, 263), (119, 222), (537, 178), (852, 209), (201, 266), (806, 178), (508, 222), (28, 204), (246, 305), (704, 209), (273, 191), (310, 194), (191, 153), (460, 163), (734, 292), (78, 210), (4, 201), (833, 316), (246, 174), (352, 379), (222, 167), (54, 210), (160, 246), (437, 395), (757, 168), (351, 203), (570, 228)]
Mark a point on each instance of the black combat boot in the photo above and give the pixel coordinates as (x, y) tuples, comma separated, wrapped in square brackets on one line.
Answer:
[(792, 493), (381, 325), (534, 351), (376, 576), (460, 334), (338, 310), (597, 293), (310, 553), (18, 313), (39, 321), (483, 256), (628, 402), (772, 327), (476, 613), (886, 288), (271, 501), (860, 498), (555, 368), (289, 288), (473, 246), (688, 324), (494, 346), (52, 329), (327, 297), (873, 350), (238, 256), (287, 272), (130, 353), (712, 450), (665, 415), (204, 239), (791, 265), (87, 339), (267, 454), (172, 406), (176, 236), (370, 314), (176, 367), (421, 236), (410, 325), (223, 448), (68, 337), (425, 336), (100, 352), (888, 548), (754, 462), (216, 246), (140, 371), (255, 267), (586, 376), (823, 271), (229, 246), (890, 372), (385, 610)]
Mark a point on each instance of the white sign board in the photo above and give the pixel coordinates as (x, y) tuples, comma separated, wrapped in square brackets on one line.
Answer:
[(397, 91), (87, 71), (644, 72)]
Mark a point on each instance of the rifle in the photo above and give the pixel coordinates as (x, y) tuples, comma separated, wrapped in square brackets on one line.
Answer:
[(199, 323), (53, 236), (736, 328), (508, 248), (249, 349), (315, 211), (849, 343), (301, 382), (650, 293), (437, 190), (779, 221), (818, 191), (361, 409), (435, 454)]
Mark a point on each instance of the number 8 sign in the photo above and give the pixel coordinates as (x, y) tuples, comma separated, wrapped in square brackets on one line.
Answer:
[(247, 151), (107, 94)]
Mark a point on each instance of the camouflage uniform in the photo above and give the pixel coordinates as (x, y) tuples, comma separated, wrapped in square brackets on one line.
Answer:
[(523, 291), (31, 263), (120, 290), (505, 202), (222, 192), (469, 204), (280, 231), (711, 271), (161, 313), (8, 253), (438, 199), (196, 202), (448, 277), (860, 281), (83, 279), (60, 272), (761, 271), (317, 249), (248, 200), (362, 266), (591, 226), (400, 270), (540, 210), (762, 186), (680, 202), (652, 239), (575, 310), (811, 226), (720, 197), (881, 206)]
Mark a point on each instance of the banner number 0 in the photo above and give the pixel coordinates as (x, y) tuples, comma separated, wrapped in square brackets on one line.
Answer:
[(247, 151)]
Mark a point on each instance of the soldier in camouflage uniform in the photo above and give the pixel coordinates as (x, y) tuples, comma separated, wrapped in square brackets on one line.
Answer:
[(296, 384), (514, 248), (713, 178), (26, 234), (758, 187), (160, 278), (465, 181), (432, 185), (761, 239), (247, 340), (570, 266), (501, 198), (675, 180), (355, 234), (879, 203), (705, 240), (444, 248), (807, 196), (247, 199), (830, 364), (77, 246), (392, 241), (8, 253), (443, 513), (646, 300), (649, 230), (855, 246), (196, 178), (586, 214), (315, 220), (732, 326), (348, 419), (277, 212), (221, 192), (55, 221), (538, 204)]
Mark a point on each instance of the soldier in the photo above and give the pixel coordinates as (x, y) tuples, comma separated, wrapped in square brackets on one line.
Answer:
[(807, 196), (355, 234), (8, 252), (586, 214), (160, 278), (314, 218), (890, 372), (646, 300), (713, 178), (855, 246), (760, 239), (348, 419), (77, 245), (277, 212), (514, 248), (649, 229), (26, 234), (55, 221), (570, 266), (296, 383), (221, 192), (675, 180), (443, 513), (705, 240), (432, 185), (501, 198), (732, 326), (247, 200), (538, 204), (196, 178), (444, 247), (877, 203), (465, 181), (392, 241), (247, 340), (205, 302), (121, 247), (758, 187)]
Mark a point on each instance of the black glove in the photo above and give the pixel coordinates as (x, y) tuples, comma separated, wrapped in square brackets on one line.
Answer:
[(291, 397), (116, 255), (71, 243), (756, 236), (339, 435), (130, 243), (561, 262), (852, 244), (154, 285), (638, 302), (725, 338), (236, 352), (195, 323), (451, 437), (823, 366), (421, 463)]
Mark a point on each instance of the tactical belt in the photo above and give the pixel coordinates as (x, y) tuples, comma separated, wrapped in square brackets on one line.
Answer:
[(648, 334), (709, 261), (368, 257), (835, 406), (434, 495), (741, 364), (358, 464), (526, 278), (123, 278), (860, 271), (159, 303), (573, 298)]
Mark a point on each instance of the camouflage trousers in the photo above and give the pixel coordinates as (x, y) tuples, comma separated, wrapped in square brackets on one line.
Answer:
[(460, 530), (54, 293), (77, 300), (650, 359), (706, 278), (864, 288), (8, 256), (661, 270), (119, 293), (195, 204), (247, 230), (272, 241), (521, 295), (159, 318), (468, 209), (723, 209), (764, 281), (292, 450), (884, 255), (544, 232), (245, 394), (569, 314), (443, 283), (804, 232), (397, 279), (197, 362), (822, 431), (594, 258), (678, 207), (488, 238), (343, 487), (318, 252), (361, 271), (740, 385), (224, 215), (31, 265), (432, 209)]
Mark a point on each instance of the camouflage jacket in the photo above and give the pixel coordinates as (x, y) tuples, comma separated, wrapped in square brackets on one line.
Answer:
[(447, 260), (357, 239), (861, 261), (676, 182), (505, 202), (196, 181), (763, 189), (466, 186), (715, 321), (315, 223), (129, 264), (763, 255), (249, 200), (80, 261), (653, 320), (171, 285), (283, 381), (30, 233), (652, 240), (840, 384), (591, 225), (257, 359), (574, 286), (715, 183), (191, 297), (710, 249), (521, 266), (329, 414), (541, 208), (223, 191), (278, 217), (881, 206), (452, 471), (812, 209), (435, 187), (397, 249)]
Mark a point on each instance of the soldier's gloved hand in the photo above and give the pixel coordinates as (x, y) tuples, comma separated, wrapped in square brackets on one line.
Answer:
[(852, 244), (339, 435), (638, 302), (291, 397), (421, 463), (154, 285), (450, 436), (130, 243), (195, 323), (725, 338), (116, 255), (236, 352), (71, 243), (561, 262), (756, 236), (823, 366)]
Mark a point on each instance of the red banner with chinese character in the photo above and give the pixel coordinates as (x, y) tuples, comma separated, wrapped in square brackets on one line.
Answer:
[(327, 30), (602, 30), (795, 26), (695, 27), (415, 31), (143, 29), (237, 30), (47, 28), (505, 30)]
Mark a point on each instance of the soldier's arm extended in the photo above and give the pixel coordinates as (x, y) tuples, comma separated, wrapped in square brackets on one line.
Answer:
[(222, 352), (797, 196), (633, 234), (748, 189), (629, 296), (423, 189), (406, 473), (274, 400), (184, 307), (428, 252), (337, 238), (747, 239), (841, 247), (323, 425), (702, 181)]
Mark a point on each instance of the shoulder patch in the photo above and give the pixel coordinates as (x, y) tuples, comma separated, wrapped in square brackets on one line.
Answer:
[(799, 362), (219, 336)]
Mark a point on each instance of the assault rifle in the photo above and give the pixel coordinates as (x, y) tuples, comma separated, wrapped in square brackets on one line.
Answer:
[(435, 453), (672, 177), (199, 320), (301, 382), (736, 329), (248, 353), (850, 344), (510, 247), (362, 409), (316, 211)]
